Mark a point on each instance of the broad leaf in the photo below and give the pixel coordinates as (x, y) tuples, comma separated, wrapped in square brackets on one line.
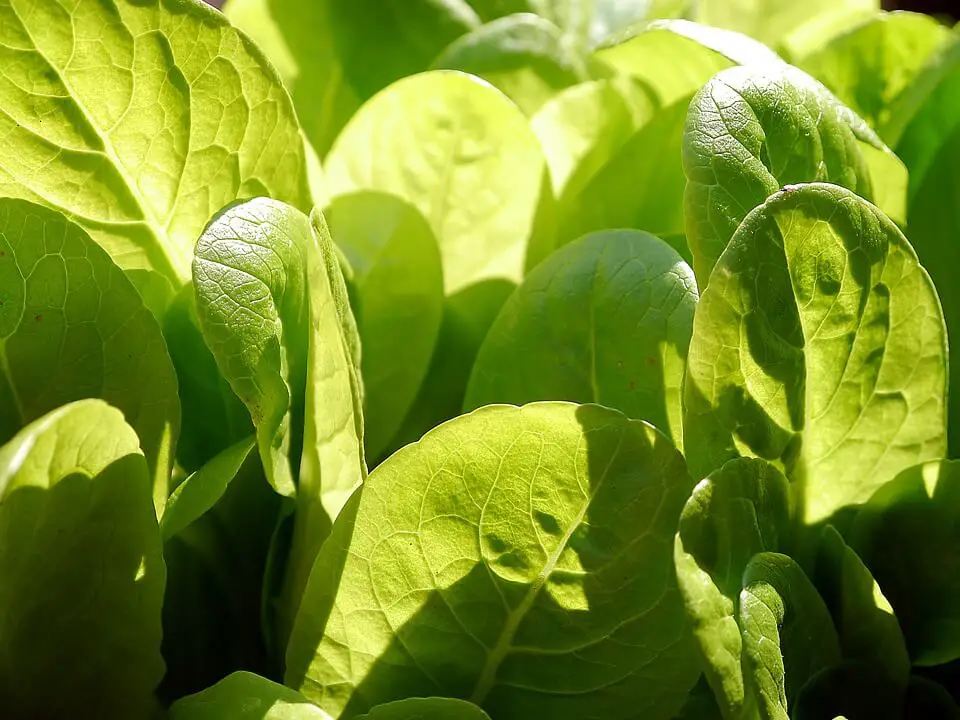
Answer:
[(397, 285), (606, 319), (871, 65), (737, 512), (909, 537), (788, 636), (72, 326), (751, 131), (928, 699), (851, 689), (516, 557), (245, 696), (464, 155), (274, 311), (81, 575), (867, 627), (818, 344), (523, 55), (139, 119)]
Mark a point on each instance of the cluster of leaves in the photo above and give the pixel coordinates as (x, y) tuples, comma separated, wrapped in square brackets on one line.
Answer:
[(613, 300)]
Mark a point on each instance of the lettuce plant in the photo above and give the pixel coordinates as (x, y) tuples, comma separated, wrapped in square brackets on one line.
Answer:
[(475, 359)]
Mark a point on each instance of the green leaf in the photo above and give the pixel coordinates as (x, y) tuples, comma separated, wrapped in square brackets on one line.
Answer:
[(201, 490), (464, 156), (779, 22), (583, 127), (738, 511), (427, 708), (606, 319), (928, 699), (139, 119), (751, 131), (851, 689), (788, 636), (907, 534), (865, 622), (871, 65), (81, 574), (72, 326), (926, 123), (212, 417), (516, 557), (297, 37), (274, 311), (398, 301), (674, 58), (245, 696), (523, 55), (381, 41), (819, 344)]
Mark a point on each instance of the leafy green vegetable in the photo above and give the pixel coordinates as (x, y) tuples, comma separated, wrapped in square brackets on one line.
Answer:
[(818, 344), (907, 536), (779, 612), (454, 569), (72, 327), (522, 55), (737, 512), (81, 567), (245, 696), (434, 708), (871, 65), (741, 145), (606, 319), (139, 120), (398, 301)]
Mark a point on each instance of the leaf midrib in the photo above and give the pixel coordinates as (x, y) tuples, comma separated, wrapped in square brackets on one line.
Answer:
[(504, 643), (148, 218)]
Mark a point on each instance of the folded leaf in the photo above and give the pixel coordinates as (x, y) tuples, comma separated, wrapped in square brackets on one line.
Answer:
[(788, 636), (751, 131), (73, 326), (819, 344), (81, 574), (516, 557), (606, 319), (139, 119), (737, 512)]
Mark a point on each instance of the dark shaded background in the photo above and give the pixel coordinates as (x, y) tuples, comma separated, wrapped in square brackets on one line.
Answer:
[(947, 8)]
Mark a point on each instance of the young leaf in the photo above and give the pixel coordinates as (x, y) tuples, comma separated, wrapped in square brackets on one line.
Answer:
[(788, 636), (523, 55), (72, 326), (907, 534), (738, 511), (139, 119), (870, 66), (751, 131), (606, 319), (516, 557), (819, 344), (246, 696), (397, 283), (81, 574), (201, 490)]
